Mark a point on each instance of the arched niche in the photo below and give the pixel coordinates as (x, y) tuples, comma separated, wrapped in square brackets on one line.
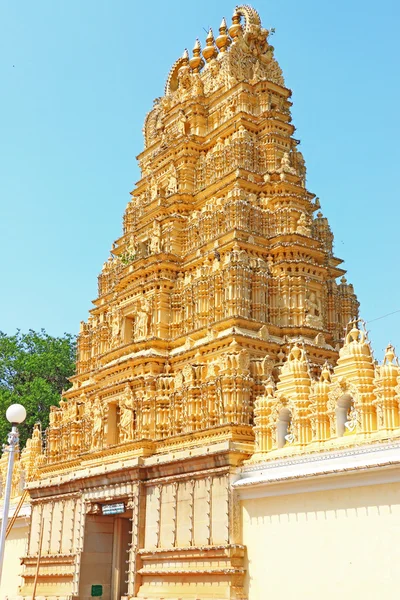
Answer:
[(344, 408), (283, 426)]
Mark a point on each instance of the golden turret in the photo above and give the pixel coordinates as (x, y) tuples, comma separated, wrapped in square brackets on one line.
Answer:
[(294, 386)]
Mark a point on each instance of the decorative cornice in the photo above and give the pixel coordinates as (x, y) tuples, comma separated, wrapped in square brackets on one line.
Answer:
[(377, 464)]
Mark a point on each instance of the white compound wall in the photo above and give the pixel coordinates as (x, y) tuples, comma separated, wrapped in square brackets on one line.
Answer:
[(324, 544)]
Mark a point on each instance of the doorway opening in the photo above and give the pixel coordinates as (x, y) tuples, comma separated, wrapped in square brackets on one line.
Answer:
[(104, 566)]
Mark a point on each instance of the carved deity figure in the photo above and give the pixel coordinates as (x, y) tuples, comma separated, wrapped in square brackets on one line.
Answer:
[(130, 250), (320, 339), (115, 327), (313, 310), (154, 244), (36, 435), (155, 238), (300, 163), (214, 67), (290, 434), (107, 267), (188, 373), (164, 138), (286, 167), (233, 256), (182, 122), (178, 380), (172, 186), (270, 388), (197, 85), (126, 420), (92, 508), (64, 410), (257, 72), (72, 410), (153, 188), (351, 422), (98, 424), (142, 320), (188, 278), (55, 416), (296, 354), (302, 226), (184, 83)]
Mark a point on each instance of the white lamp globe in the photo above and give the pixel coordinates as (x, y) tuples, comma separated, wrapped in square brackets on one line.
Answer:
[(16, 414)]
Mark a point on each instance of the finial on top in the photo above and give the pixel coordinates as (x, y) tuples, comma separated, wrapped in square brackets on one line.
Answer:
[(197, 46), (356, 334), (270, 387), (184, 68), (390, 354), (235, 28), (196, 62), (325, 373), (223, 40), (209, 51)]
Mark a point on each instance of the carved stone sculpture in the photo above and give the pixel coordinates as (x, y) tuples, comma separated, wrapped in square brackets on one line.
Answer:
[(126, 420), (97, 424), (142, 319)]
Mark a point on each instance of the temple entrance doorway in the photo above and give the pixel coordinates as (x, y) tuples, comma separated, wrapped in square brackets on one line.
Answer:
[(119, 579), (104, 566)]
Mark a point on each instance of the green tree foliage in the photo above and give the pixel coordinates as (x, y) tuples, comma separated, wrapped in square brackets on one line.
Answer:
[(34, 369)]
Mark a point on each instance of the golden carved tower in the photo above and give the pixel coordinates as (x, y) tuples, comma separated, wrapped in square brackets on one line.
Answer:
[(225, 261), (221, 254)]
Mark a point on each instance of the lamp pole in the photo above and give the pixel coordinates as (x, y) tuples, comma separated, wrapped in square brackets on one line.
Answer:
[(15, 414)]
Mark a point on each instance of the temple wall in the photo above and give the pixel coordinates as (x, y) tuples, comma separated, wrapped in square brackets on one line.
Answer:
[(323, 544), (60, 519), (16, 545), (60, 545), (187, 534), (187, 513)]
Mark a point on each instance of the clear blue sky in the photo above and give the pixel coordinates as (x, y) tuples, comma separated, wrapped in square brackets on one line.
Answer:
[(79, 76)]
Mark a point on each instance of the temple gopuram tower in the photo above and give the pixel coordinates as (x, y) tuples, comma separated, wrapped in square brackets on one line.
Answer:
[(225, 262)]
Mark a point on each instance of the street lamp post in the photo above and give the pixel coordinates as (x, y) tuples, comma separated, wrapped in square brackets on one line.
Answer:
[(16, 414)]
